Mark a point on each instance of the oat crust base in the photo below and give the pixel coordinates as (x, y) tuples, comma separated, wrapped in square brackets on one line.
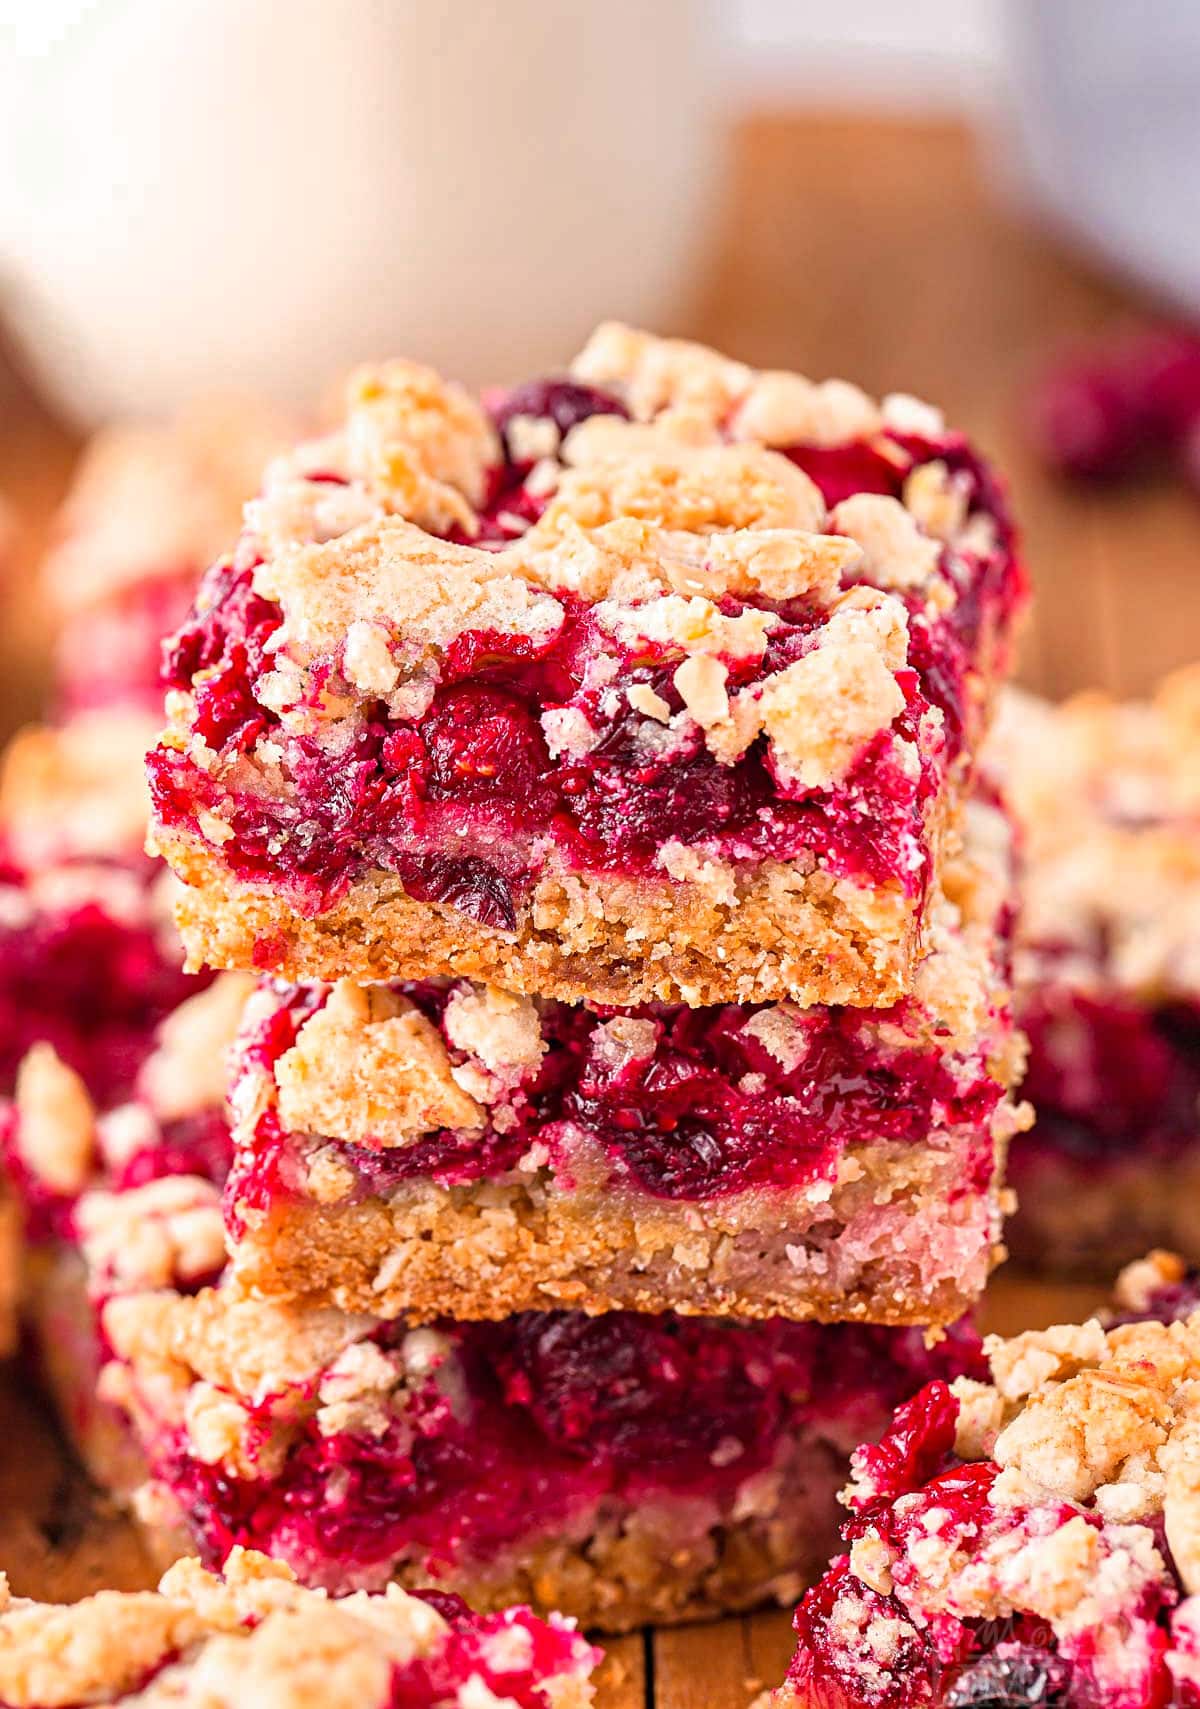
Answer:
[(807, 939)]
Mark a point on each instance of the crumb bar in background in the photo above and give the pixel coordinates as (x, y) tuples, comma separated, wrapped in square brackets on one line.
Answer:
[(1108, 973), (658, 682), (447, 1148), (89, 957), (148, 510), (254, 1636), (1032, 1539)]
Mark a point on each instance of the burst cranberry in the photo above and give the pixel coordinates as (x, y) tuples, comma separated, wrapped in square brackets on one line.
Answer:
[(843, 470), (484, 746), (1085, 422), (563, 402), (915, 1445)]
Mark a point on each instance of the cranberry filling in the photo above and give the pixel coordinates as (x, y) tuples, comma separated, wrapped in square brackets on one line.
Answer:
[(91, 984), (471, 1652), (1109, 1078), (476, 769), (555, 1411), (701, 1107), (433, 800), (908, 1486)]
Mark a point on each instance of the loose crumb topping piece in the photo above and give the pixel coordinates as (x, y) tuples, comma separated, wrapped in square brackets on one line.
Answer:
[(254, 1635)]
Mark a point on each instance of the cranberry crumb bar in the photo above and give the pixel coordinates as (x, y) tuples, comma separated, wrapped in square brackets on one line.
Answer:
[(449, 1148), (254, 1636), (1033, 1540), (89, 959), (623, 1467), (148, 511), (1108, 973), (658, 682)]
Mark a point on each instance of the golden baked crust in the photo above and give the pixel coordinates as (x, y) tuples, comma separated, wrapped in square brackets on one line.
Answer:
[(779, 933), (896, 1240), (253, 1635)]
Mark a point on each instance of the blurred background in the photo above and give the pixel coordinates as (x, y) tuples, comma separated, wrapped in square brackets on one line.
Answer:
[(941, 197)]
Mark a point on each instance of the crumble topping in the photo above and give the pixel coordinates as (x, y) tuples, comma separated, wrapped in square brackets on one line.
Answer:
[(697, 489), (1106, 793), (166, 1233), (627, 561), (249, 1347), (1086, 1415), (654, 374), (77, 788), (371, 1069), (895, 551), (820, 712), (405, 420), (56, 1128), (420, 590), (502, 1031), (255, 1635), (188, 1068)]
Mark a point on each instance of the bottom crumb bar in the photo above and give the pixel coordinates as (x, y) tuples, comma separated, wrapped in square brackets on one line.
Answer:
[(253, 1636), (1033, 1539), (623, 1469), (1107, 794)]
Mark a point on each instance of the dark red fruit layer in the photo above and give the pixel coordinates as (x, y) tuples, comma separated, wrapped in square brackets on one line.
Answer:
[(473, 776), (707, 1111), (1109, 1078), (560, 1410), (93, 985)]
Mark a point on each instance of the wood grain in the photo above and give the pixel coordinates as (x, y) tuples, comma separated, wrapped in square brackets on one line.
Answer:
[(868, 248)]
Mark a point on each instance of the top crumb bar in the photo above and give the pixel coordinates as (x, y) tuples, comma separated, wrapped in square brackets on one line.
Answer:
[(254, 1636), (658, 682)]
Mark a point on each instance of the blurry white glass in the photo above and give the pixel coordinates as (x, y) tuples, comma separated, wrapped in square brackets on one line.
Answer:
[(201, 193)]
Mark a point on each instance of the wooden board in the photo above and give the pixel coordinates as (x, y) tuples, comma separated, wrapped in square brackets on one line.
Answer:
[(842, 246)]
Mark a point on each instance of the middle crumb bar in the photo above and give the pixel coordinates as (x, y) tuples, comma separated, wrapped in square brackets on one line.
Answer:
[(446, 1147)]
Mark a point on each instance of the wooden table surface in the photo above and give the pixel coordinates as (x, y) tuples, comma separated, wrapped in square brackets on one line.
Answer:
[(869, 249)]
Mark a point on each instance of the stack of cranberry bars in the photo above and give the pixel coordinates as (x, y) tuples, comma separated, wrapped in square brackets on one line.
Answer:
[(587, 779)]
